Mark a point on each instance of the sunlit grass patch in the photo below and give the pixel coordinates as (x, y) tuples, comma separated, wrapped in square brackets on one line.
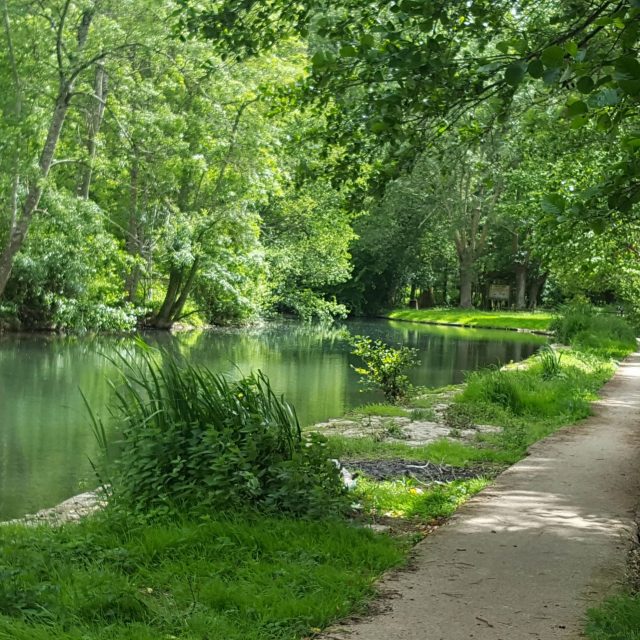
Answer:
[(537, 321), (249, 578), (409, 498)]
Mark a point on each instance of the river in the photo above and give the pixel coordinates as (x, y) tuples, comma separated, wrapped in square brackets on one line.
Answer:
[(45, 438)]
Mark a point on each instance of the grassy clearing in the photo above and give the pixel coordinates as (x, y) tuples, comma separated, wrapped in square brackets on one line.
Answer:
[(251, 578), (536, 321)]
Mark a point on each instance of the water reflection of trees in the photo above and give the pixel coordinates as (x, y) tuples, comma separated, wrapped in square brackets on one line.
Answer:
[(45, 437)]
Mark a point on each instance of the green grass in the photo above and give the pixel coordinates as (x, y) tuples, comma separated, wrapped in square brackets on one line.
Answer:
[(252, 578), (384, 410), (406, 498), (617, 619), (443, 451), (538, 320), (528, 404)]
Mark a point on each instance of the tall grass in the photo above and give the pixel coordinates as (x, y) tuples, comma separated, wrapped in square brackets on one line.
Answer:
[(582, 326), (188, 438)]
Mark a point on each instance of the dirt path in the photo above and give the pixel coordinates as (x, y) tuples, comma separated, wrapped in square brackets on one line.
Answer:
[(527, 557)]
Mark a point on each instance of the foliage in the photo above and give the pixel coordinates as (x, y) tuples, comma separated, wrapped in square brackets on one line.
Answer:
[(384, 367), (601, 333), (249, 578), (550, 362), (67, 275), (191, 439)]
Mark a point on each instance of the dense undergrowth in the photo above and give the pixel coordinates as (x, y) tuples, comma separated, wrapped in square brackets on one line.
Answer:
[(190, 440)]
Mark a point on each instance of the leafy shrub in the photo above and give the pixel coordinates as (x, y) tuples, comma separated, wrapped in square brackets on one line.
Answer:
[(384, 367), (572, 320), (192, 439)]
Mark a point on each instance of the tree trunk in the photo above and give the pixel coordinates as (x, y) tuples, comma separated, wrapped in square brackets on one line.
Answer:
[(164, 319), (521, 286), (466, 286), (535, 288), (427, 298), (133, 240), (94, 122), (19, 229)]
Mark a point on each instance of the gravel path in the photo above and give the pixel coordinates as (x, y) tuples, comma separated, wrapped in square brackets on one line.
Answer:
[(526, 558)]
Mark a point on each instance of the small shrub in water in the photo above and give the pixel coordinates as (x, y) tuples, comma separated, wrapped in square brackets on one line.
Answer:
[(384, 367), (191, 439)]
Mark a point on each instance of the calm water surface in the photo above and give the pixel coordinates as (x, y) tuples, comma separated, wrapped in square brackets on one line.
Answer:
[(45, 438)]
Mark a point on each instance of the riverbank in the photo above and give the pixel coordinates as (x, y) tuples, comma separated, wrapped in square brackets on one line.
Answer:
[(532, 553), (533, 321), (258, 577)]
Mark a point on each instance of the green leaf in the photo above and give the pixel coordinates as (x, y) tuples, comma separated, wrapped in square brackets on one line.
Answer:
[(585, 84), (367, 40), (515, 73), (553, 203), (576, 107), (536, 68), (579, 121), (604, 122), (378, 126), (348, 51), (571, 48), (553, 56), (319, 59)]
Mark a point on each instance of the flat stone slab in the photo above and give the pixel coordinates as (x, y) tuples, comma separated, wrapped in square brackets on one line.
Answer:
[(416, 433), (527, 557), (70, 510)]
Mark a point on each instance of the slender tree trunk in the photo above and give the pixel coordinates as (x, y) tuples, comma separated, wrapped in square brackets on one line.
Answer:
[(133, 240), (521, 286), (19, 229), (94, 122)]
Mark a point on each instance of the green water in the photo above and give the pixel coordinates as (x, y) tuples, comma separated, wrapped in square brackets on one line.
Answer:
[(45, 440)]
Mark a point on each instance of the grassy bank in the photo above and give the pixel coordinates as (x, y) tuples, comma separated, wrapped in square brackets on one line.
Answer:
[(291, 555), (532, 321)]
